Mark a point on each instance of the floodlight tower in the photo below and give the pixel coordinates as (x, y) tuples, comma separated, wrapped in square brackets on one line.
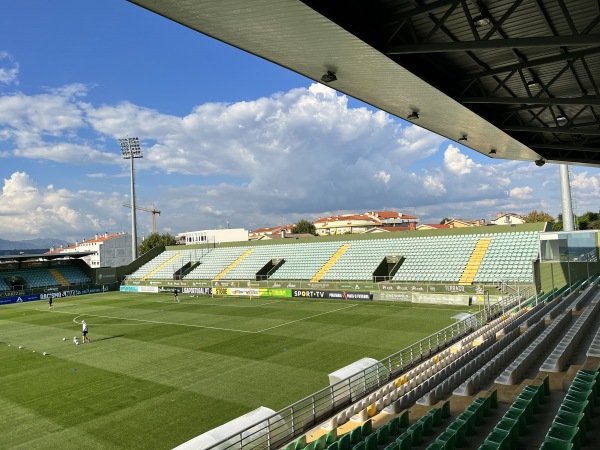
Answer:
[(130, 147)]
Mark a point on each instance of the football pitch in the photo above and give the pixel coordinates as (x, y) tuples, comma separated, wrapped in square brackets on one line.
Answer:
[(158, 373)]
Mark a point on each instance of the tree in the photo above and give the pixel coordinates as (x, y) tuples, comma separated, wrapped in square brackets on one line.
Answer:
[(304, 226), (155, 240), (589, 221), (538, 216), (444, 220), (558, 225)]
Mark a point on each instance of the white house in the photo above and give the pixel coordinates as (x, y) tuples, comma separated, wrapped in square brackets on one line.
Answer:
[(110, 250), (508, 219), (212, 236)]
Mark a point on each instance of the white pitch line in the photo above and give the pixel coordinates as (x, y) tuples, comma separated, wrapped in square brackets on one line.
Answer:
[(157, 322), (304, 318)]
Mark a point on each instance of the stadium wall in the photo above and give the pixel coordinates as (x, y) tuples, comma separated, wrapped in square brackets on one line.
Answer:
[(30, 295), (446, 294), (558, 274)]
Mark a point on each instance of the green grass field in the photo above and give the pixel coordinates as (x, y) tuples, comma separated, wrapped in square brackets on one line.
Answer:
[(158, 373)]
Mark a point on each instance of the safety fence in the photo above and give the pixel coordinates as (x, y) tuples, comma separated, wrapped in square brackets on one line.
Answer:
[(298, 418)]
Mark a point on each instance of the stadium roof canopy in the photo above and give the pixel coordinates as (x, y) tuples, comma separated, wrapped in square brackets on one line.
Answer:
[(47, 256), (511, 79)]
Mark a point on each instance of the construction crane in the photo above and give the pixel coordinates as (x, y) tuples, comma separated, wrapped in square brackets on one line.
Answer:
[(153, 211)]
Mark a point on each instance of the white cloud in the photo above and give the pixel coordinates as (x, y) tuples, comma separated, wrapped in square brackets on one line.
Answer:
[(521, 193), (434, 185), (9, 68), (383, 177), (28, 210), (586, 186), (298, 154), (457, 162)]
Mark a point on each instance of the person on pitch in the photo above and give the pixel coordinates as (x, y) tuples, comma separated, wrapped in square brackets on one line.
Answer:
[(84, 327)]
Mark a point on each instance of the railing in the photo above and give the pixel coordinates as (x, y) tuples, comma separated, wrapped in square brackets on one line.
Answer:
[(300, 417)]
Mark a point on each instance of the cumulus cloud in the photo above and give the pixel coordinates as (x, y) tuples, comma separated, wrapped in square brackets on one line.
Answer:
[(521, 193), (585, 185), (28, 210), (457, 162), (294, 155), (383, 177)]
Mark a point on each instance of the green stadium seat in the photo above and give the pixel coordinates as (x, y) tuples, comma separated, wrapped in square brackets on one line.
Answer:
[(356, 435), (436, 416), (427, 421), (367, 428), (572, 420), (477, 410), (519, 416), (556, 445), (500, 439), (331, 437), (416, 433), (459, 428), (564, 434), (321, 442), (383, 435), (404, 441), (446, 410), (371, 442), (394, 427), (511, 427), (404, 422), (448, 439), (359, 446), (344, 442)]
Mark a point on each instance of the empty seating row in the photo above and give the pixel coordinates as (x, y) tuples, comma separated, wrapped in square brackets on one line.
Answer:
[(564, 349), (499, 358), (520, 414), (573, 417), (465, 425), (515, 370)]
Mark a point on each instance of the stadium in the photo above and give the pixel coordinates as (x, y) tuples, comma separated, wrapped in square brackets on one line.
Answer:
[(484, 337)]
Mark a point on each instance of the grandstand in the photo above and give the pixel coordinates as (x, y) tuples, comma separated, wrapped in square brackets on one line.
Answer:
[(441, 256), (39, 273)]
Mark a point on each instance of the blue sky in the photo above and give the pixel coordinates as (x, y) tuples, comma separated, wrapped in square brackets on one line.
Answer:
[(227, 137)]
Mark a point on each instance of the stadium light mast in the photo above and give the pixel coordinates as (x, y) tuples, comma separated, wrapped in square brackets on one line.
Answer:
[(130, 147)]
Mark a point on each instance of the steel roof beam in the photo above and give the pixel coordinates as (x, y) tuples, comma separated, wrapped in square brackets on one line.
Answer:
[(420, 10), (565, 147), (535, 102), (534, 63), (557, 130), (548, 41)]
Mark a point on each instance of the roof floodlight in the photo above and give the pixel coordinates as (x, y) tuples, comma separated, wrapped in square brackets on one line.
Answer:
[(463, 138), (328, 77), (413, 115), (480, 21)]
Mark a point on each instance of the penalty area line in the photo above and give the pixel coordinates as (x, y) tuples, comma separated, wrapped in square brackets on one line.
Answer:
[(159, 322)]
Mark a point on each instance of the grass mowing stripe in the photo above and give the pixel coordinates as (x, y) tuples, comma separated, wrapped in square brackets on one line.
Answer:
[(187, 378), (304, 318), (151, 321)]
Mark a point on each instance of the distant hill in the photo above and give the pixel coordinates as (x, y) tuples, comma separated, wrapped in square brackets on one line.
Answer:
[(30, 244)]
